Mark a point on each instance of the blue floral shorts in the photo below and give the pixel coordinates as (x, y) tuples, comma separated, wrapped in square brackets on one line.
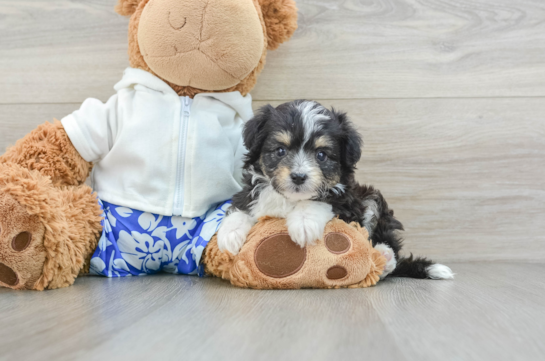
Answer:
[(135, 243)]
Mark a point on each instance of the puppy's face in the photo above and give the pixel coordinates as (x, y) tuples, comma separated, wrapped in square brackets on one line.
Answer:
[(301, 147)]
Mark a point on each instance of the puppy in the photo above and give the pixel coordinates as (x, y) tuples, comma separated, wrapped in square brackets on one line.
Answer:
[(300, 166)]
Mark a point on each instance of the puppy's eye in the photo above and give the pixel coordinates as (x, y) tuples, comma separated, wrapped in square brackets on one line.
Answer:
[(321, 156), (280, 152)]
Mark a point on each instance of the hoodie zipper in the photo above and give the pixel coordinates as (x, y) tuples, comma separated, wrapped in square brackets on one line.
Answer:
[(178, 207)]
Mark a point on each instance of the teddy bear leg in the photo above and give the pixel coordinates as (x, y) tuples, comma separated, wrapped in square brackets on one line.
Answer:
[(47, 233), (84, 217)]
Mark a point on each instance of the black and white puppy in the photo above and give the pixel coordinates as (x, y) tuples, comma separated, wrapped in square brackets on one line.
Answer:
[(300, 166)]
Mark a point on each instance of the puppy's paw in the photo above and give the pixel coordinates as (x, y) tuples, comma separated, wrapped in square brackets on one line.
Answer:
[(391, 261), (439, 272), (306, 232), (306, 223), (233, 231)]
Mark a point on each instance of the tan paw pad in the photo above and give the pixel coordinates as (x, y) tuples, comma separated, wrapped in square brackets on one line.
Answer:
[(278, 256), (336, 273), (21, 241), (8, 276), (337, 243)]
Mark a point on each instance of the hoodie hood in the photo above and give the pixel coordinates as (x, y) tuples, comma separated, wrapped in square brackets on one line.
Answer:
[(133, 77)]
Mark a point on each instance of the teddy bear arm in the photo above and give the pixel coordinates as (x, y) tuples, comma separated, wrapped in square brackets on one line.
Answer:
[(48, 150)]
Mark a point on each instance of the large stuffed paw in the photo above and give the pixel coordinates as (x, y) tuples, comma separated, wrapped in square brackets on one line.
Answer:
[(270, 259), (46, 233), (22, 253)]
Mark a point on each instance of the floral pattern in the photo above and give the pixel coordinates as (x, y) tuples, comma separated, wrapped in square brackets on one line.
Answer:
[(135, 243)]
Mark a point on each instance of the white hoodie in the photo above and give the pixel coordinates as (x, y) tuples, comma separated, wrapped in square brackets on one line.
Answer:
[(161, 153)]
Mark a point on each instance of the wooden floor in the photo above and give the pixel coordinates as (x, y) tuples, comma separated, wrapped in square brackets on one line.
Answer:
[(491, 311)]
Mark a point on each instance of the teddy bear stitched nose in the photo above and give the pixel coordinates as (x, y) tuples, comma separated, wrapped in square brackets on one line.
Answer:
[(176, 23)]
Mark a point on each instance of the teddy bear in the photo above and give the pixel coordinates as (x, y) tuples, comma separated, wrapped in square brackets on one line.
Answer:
[(164, 155)]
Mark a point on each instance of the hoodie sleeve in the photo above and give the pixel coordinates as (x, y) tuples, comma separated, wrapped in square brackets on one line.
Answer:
[(92, 128)]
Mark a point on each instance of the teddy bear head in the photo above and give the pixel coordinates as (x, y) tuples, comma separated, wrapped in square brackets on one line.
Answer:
[(199, 46)]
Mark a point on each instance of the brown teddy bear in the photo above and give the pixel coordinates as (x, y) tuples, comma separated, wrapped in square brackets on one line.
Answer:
[(166, 152)]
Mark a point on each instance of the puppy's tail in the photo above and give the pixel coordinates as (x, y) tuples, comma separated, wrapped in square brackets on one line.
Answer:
[(421, 267)]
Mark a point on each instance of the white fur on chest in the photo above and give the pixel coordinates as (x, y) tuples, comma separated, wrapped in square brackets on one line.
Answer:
[(271, 203), (305, 219)]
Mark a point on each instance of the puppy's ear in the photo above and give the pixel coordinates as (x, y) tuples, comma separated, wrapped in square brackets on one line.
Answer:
[(126, 7), (254, 132), (351, 139), (280, 20)]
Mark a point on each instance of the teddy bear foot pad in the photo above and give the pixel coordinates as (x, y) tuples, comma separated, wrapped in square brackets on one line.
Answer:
[(21, 245), (271, 260), (278, 256)]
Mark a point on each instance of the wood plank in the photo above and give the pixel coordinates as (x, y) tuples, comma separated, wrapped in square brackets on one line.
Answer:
[(410, 49), (60, 50), (19, 119), (465, 176), (482, 315), (491, 311), (65, 51), (163, 316)]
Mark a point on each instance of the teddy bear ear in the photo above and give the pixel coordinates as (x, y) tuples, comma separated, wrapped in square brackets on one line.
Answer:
[(280, 19), (126, 7)]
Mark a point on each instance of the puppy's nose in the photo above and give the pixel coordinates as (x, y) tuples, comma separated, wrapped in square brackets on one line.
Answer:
[(298, 178)]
